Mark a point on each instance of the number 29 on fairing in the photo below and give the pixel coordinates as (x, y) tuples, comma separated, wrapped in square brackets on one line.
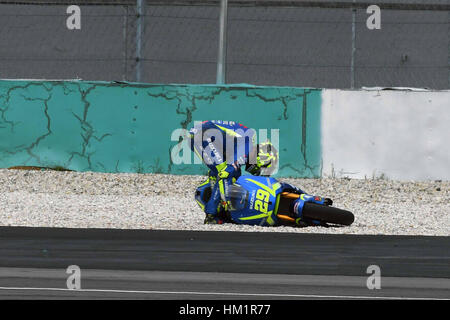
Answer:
[(262, 201)]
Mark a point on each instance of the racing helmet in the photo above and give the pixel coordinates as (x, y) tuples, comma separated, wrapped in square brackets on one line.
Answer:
[(266, 157), (203, 193)]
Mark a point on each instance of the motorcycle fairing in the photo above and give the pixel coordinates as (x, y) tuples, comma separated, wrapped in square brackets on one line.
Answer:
[(253, 200)]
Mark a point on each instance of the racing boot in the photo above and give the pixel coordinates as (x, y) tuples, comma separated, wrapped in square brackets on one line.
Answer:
[(212, 219)]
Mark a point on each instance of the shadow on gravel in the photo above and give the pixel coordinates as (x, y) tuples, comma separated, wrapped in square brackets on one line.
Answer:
[(56, 168)]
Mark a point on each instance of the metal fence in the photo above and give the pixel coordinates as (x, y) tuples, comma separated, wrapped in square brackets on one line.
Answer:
[(298, 43)]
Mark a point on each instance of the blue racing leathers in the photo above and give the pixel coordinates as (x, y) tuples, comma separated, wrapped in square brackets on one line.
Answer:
[(224, 146)]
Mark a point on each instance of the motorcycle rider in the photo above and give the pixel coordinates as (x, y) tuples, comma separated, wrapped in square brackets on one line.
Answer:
[(225, 146)]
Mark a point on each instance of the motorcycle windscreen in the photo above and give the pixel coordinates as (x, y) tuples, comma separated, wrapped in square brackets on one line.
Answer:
[(238, 197)]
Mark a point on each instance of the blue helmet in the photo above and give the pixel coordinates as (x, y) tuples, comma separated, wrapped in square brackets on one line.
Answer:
[(203, 193)]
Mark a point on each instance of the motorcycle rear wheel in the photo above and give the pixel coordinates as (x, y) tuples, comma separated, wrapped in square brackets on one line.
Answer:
[(327, 214)]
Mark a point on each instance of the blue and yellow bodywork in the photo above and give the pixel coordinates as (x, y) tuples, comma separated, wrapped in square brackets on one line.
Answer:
[(262, 203)]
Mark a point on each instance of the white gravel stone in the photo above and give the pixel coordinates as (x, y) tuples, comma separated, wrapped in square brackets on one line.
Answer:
[(158, 201)]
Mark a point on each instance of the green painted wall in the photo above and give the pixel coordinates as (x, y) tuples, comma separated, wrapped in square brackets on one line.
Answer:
[(127, 127)]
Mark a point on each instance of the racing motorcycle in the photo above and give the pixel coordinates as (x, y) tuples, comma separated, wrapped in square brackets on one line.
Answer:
[(257, 200)]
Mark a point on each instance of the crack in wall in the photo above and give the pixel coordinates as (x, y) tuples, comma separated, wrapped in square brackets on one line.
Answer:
[(304, 144), (189, 110), (7, 97), (284, 99), (87, 129), (35, 143), (85, 125), (49, 131)]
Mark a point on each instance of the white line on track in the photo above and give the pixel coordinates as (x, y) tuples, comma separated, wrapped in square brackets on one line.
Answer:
[(278, 295)]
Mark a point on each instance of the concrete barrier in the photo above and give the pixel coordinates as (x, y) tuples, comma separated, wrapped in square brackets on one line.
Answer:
[(127, 127), (396, 134)]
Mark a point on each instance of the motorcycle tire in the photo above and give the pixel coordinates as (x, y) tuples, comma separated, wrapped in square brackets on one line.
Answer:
[(327, 214)]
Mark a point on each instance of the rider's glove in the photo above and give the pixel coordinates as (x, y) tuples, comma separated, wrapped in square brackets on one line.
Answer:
[(223, 174), (327, 202)]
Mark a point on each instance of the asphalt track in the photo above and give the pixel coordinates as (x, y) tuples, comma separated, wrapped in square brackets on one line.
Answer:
[(156, 264)]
